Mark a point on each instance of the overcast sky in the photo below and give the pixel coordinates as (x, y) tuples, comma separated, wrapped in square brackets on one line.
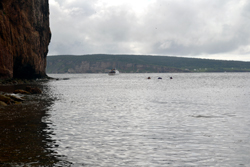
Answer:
[(214, 29)]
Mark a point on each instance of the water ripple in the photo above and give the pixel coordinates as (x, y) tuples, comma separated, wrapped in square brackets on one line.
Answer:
[(127, 120)]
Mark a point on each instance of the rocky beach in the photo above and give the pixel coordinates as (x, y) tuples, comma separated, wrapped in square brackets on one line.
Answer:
[(17, 91), (25, 137), (24, 39)]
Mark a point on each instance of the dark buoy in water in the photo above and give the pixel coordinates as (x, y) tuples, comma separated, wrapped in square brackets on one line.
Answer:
[(149, 78), (159, 77), (171, 77)]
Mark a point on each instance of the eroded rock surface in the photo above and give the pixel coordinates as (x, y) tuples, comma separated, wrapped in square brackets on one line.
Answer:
[(24, 38)]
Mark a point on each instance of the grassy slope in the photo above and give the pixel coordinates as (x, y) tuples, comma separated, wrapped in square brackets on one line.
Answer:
[(64, 61)]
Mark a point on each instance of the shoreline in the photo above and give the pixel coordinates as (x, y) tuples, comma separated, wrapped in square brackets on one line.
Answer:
[(14, 88), (12, 91), (25, 137)]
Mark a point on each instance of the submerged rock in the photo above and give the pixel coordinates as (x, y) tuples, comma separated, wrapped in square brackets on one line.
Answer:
[(21, 91), (2, 103), (18, 99), (6, 99), (10, 99), (29, 90), (33, 90)]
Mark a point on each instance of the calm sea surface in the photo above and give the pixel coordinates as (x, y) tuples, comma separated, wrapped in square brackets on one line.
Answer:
[(93, 120), (127, 120)]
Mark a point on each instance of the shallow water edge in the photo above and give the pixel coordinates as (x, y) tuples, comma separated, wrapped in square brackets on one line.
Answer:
[(25, 137)]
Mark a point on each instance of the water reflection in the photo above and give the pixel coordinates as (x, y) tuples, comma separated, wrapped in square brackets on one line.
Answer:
[(25, 138)]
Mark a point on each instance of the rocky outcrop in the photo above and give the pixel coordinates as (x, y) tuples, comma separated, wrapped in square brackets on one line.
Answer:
[(10, 99), (24, 38)]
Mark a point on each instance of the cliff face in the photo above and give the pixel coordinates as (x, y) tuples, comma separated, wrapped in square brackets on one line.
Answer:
[(24, 38)]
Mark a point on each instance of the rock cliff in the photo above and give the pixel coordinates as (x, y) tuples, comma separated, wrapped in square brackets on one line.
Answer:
[(24, 38)]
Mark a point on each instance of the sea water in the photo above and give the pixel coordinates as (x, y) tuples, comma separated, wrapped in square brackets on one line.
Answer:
[(127, 120), (200, 119)]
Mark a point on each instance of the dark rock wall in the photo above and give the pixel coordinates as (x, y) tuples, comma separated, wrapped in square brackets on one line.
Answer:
[(24, 38)]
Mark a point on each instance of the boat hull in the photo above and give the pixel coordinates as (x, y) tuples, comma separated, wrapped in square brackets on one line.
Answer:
[(113, 72)]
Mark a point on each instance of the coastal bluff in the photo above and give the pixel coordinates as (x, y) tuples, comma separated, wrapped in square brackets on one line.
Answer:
[(24, 38)]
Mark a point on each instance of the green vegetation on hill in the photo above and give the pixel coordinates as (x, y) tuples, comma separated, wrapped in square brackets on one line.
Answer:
[(139, 63)]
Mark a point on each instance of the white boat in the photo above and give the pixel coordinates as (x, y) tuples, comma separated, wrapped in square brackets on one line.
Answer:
[(113, 72)]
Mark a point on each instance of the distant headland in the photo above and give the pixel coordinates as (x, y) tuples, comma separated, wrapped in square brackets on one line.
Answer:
[(102, 63)]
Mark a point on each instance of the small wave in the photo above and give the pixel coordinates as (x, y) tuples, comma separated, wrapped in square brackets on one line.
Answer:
[(205, 116)]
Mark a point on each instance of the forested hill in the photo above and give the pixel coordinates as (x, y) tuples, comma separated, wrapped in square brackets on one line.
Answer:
[(101, 63)]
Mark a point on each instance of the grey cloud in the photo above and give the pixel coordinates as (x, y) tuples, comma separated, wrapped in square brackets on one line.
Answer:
[(166, 27), (189, 33)]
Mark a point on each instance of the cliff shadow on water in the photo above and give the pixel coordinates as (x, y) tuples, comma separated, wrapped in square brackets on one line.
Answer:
[(25, 138)]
